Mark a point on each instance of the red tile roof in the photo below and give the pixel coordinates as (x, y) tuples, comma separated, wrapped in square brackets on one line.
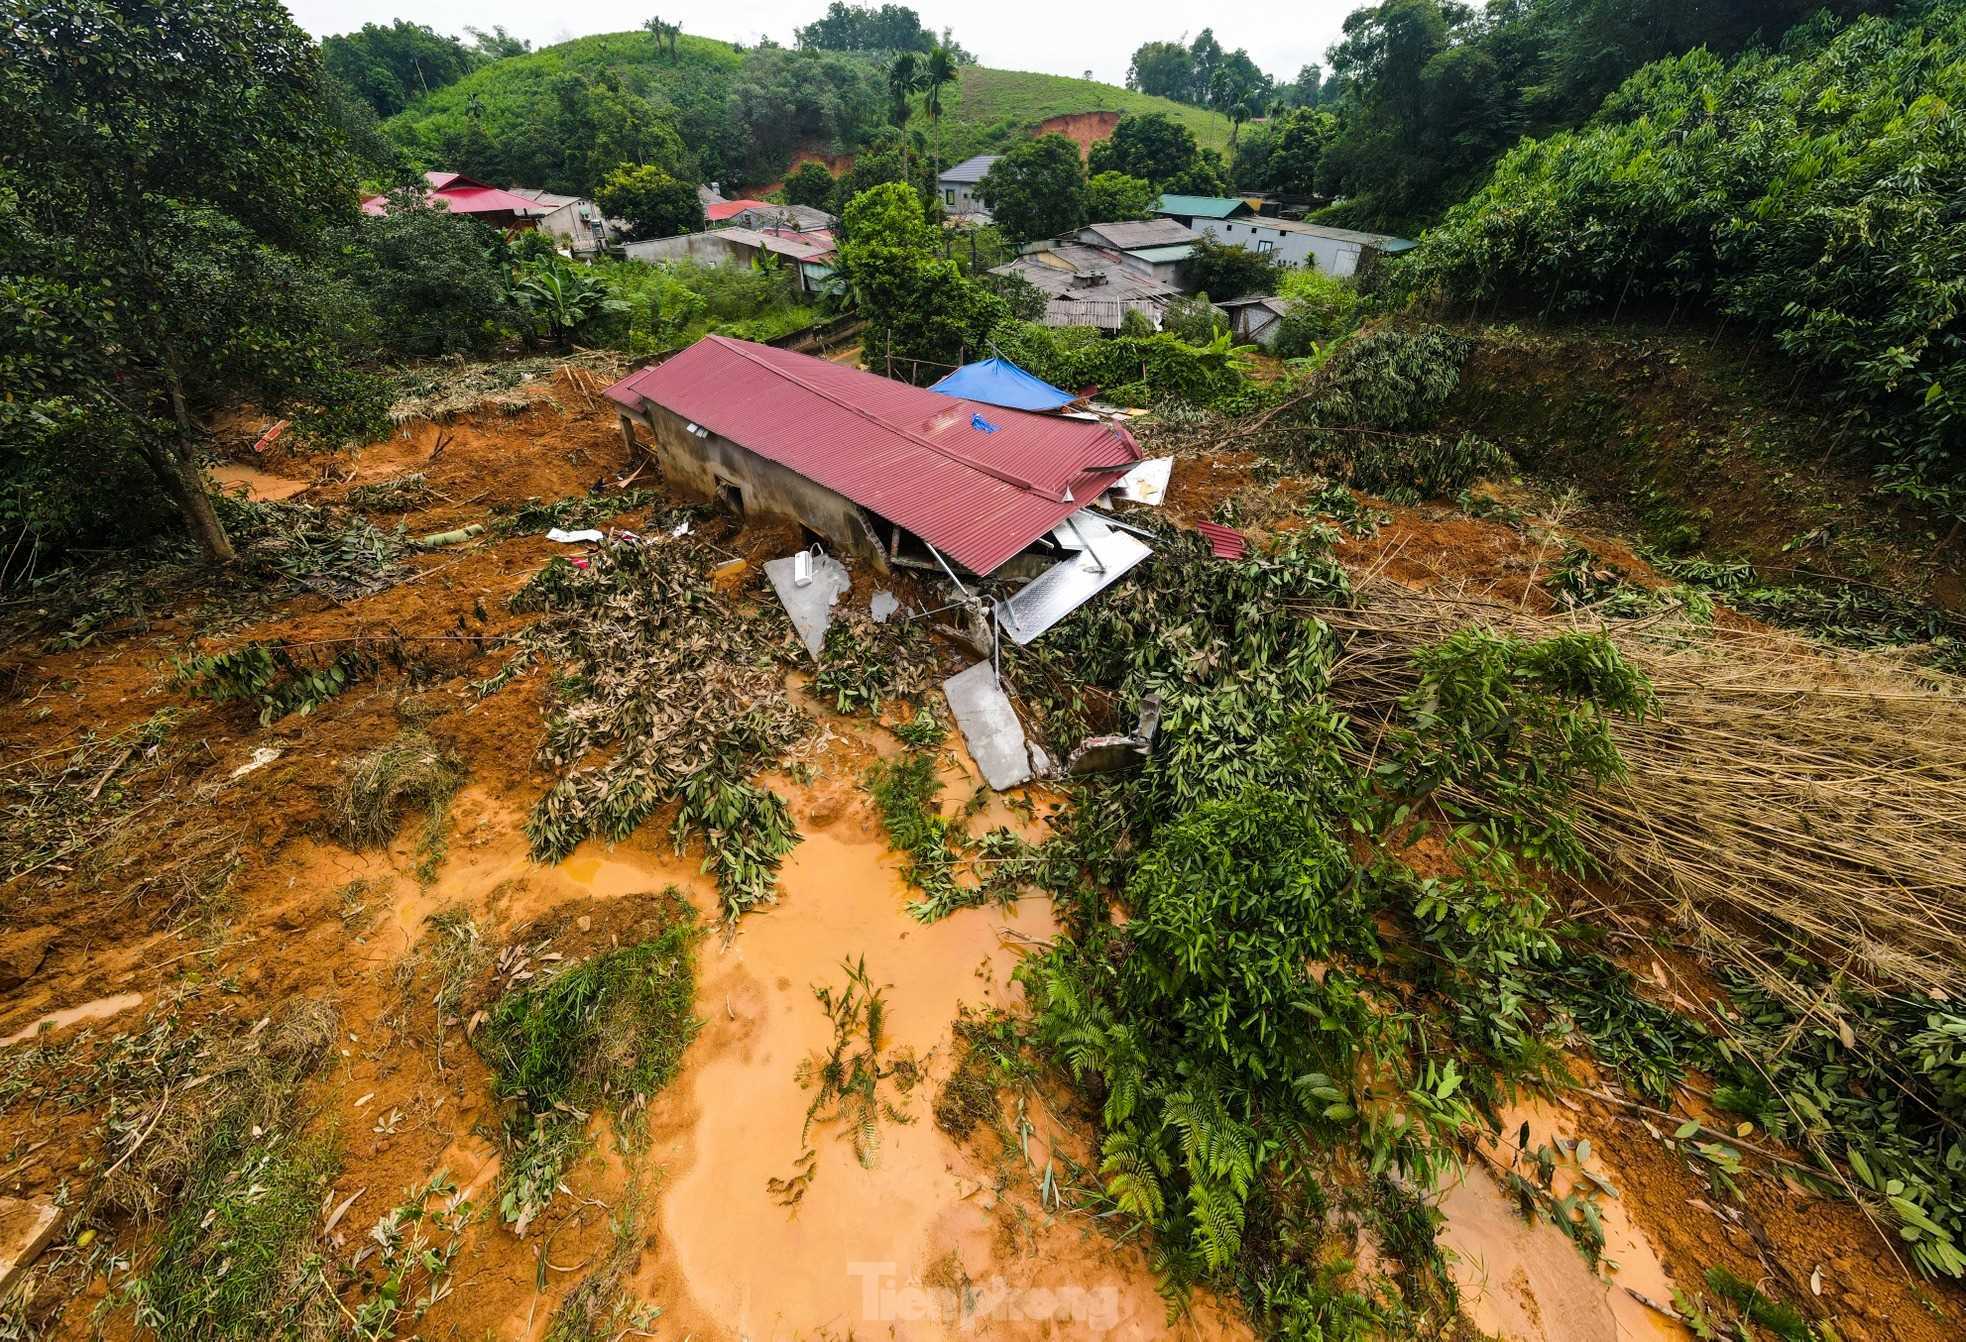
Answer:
[(977, 482), (463, 195)]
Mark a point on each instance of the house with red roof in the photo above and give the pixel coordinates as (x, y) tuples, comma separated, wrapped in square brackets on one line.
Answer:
[(467, 195), (879, 468)]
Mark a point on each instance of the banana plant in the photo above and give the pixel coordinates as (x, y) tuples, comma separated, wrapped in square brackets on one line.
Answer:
[(561, 297)]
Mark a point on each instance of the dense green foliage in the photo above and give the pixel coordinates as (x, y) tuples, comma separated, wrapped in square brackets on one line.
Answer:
[(1112, 196), (809, 184), (1129, 369), (1224, 271), (918, 306), (1805, 194), (1432, 90), (1203, 74), (1160, 150), (1037, 190), (389, 66), (607, 1032), (887, 28), (564, 116), (1285, 153), (165, 224), (655, 204)]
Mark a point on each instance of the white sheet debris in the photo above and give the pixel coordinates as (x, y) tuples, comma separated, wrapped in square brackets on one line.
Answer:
[(569, 537), (1146, 483)]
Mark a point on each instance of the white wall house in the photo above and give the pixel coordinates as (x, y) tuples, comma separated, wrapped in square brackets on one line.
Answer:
[(573, 218), (1335, 251), (958, 187)]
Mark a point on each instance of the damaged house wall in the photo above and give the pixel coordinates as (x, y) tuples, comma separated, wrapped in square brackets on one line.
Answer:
[(711, 467)]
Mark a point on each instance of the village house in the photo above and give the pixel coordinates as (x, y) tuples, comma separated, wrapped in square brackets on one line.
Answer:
[(958, 188), (1334, 251), (466, 195), (811, 253), (1158, 248), (1086, 285), (574, 218), (1255, 321), (1192, 210), (874, 467)]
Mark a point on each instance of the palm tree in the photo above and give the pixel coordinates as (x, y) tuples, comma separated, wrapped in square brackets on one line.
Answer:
[(904, 79), (939, 72)]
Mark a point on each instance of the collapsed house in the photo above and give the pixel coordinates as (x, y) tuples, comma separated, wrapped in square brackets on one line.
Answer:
[(876, 467), (1091, 286), (574, 218), (988, 497)]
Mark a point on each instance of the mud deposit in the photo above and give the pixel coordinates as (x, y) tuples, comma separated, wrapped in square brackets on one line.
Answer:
[(213, 896)]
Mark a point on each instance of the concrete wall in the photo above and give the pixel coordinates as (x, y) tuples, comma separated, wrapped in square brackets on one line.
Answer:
[(708, 248), (696, 465), (961, 198), (568, 222), (1330, 255)]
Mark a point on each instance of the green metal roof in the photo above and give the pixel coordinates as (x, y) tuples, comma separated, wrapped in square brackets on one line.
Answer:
[(1204, 207), (1180, 251)]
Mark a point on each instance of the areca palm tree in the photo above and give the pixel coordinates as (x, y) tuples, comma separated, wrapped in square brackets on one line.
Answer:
[(938, 72), (904, 80)]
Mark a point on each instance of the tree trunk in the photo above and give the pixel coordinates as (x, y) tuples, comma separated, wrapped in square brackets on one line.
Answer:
[(183, 478), (186, 483)]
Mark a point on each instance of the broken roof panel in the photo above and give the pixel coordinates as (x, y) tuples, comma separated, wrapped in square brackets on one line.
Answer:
[(910, 455), (1001, 382)]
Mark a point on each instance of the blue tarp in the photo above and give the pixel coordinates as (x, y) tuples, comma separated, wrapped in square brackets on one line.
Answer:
[(1000, 382)]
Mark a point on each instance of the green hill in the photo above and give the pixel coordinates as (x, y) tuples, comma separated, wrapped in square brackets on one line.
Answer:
[(558, 116)]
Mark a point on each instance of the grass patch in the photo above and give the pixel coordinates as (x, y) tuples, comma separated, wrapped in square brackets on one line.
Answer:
[(447, 960), (224, 1163), (399, 494), (606, 1033), (411, 771), (598, 1309)]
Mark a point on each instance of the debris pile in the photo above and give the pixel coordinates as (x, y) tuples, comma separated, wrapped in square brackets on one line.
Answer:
[(682, 700)]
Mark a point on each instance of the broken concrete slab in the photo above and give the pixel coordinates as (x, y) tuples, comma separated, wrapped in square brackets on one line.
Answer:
[(1114, 754), (811, 606), (883, 605), (26, 1226), (989, 726)]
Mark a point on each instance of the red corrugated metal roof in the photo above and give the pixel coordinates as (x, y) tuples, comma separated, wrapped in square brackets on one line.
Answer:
[(724, 209), (907, 454), (1226, 542), (463, 195)]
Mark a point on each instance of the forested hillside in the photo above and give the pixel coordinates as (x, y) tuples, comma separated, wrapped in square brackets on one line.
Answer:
[(1808, 195), (549, 117)]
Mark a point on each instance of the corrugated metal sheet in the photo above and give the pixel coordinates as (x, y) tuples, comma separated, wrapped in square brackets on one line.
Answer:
[(1226, 542), (970, 169), (912, 456), (1129, 235), (1202, 207)]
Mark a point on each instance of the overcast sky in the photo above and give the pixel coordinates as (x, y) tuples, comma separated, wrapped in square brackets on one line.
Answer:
[(1009, 34)]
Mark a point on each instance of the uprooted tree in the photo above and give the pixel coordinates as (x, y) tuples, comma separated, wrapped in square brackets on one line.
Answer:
[(164, 212)]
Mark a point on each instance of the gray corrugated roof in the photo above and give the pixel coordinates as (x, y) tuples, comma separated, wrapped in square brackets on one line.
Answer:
[(1134, 234), (970, 169), (1070, 263), (1385, 242)]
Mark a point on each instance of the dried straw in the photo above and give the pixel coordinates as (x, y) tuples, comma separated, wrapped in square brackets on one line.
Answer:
[(1784, 793)]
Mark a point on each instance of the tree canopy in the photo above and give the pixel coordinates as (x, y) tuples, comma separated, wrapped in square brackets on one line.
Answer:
[(1808, 194), (1153, 147), (1037, 190), (1114, 195), (173, 197), (809, 184), (655, 204), (918, 305), (387, 66), (885, 28)]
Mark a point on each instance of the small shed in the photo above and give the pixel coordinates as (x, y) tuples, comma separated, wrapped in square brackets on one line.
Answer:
[(895, 473), (1255, 321)]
